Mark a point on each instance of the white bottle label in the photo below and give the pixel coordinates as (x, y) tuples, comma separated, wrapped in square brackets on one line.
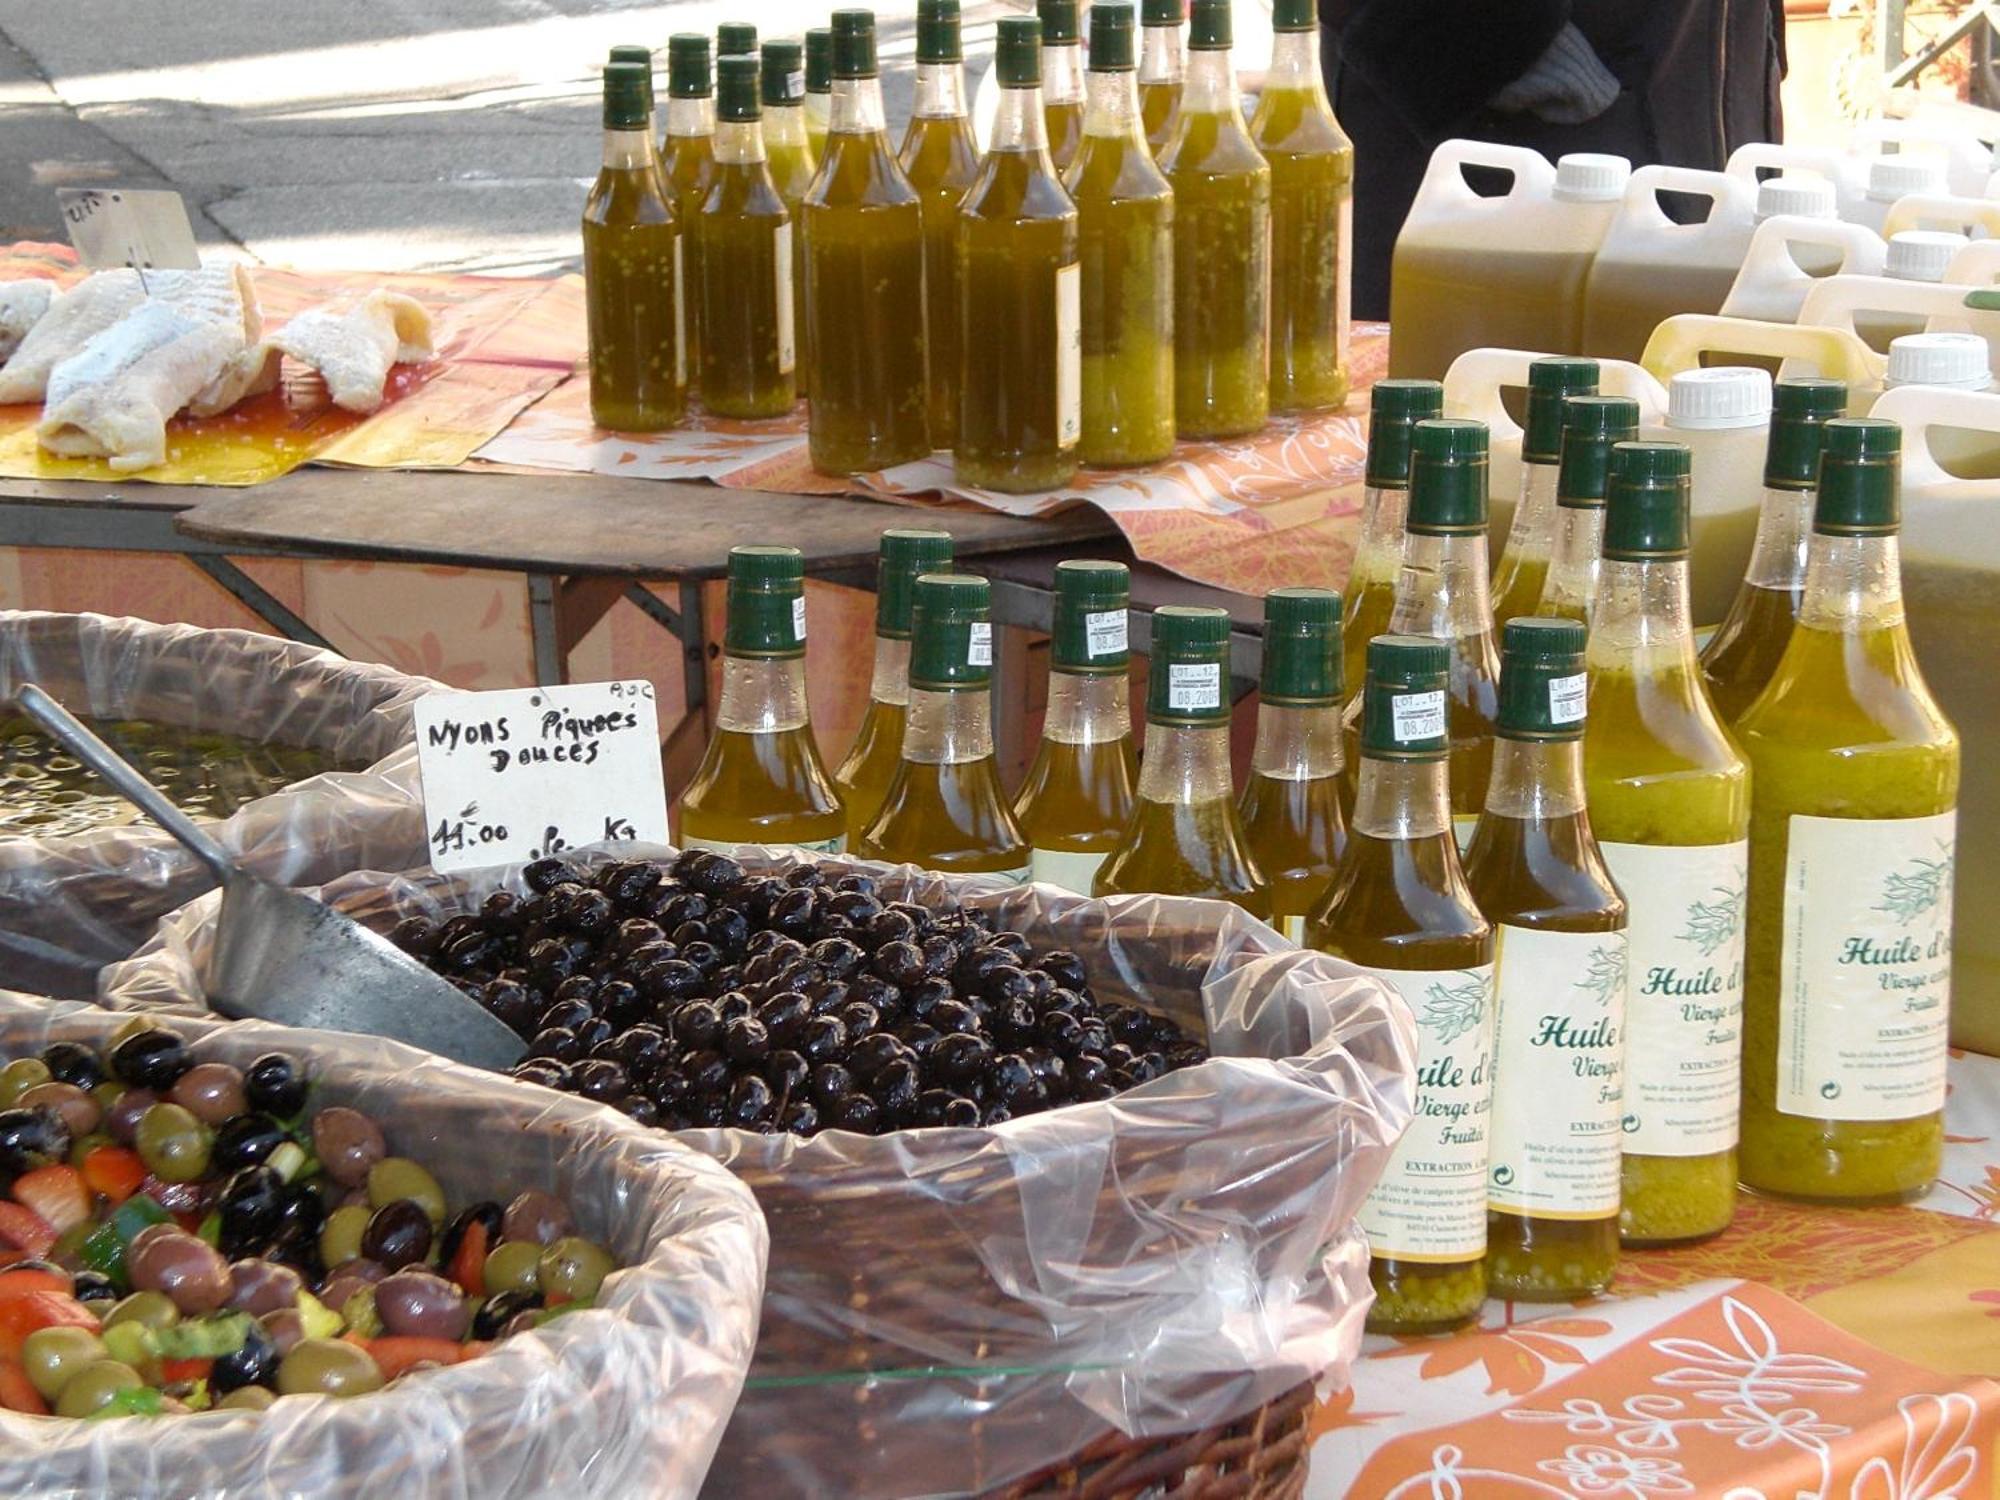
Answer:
[(1558, 1056), (835, 845), (1430, 1204), (1293, 926), (1566, 698), (680, 314), (1075, 873), (1069, 355), (1864, 983), (1194, 685), (1684, 1002), (979, 644), (1416, 716), (781, 271), (1105, 632), (799, 618)]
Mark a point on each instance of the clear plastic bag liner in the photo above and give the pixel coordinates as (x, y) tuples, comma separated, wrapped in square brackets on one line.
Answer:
[(950, 1310), (626, 1398), (68, 906)]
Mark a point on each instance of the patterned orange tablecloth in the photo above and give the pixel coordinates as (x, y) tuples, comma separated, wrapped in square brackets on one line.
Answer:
[(1836, 1354)]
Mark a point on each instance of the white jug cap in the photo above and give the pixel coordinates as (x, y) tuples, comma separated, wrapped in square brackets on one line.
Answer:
[(1893, 177), (1922, 254), (1586, 177), (1723, 396), (1811, 197), (1959, 360)]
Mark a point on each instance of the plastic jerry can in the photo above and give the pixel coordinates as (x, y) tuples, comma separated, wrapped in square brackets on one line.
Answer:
[(1874, 306), (1978, 218), (1964, 160), (1978, 264), (1840, 170), (1476, 387), (1894, 178), (1471, 271), (1688, 341), (1723, 415), (1650, 268), (1781, 267), (1951, 590)]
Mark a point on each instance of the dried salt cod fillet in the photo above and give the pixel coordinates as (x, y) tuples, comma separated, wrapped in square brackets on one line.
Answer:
[(73, 319), (354, 346), (114, 399), (22, 304)]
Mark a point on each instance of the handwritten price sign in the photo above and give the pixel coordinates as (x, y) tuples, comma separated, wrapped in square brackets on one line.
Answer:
[(515, 775), (145, 229)]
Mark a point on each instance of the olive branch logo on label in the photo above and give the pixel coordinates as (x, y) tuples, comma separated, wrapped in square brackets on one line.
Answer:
[(1606, 975), (1919, 887), (1453, 1011), (1710, 924)]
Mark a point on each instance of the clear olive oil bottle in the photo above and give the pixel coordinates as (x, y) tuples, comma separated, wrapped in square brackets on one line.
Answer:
[(1559, 982), (1524, 561), (1222, 245), (864, 278), (1062, 78), (632, 269), (1077, 797), (1747, 646), (1020, 288), (1291, 802), (748, 351), (1185, 837), (941, 158), (761, 780), (1591, 427), (1125, 231), (1312, 218), (1162, 69), (1853, 833), (688, 162), (1395, 408), (943, 809), (782, 86), (1669, 797), (1400, 908), (864, 776), (819, 88)]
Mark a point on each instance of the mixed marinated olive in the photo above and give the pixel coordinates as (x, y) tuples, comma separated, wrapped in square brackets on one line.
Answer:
[(698, 994), (181, 1235)]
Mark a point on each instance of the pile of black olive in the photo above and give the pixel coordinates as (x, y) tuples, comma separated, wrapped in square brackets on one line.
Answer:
[(698, 994)]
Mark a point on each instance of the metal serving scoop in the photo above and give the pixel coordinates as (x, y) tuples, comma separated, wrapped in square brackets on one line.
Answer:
[(282, 956)]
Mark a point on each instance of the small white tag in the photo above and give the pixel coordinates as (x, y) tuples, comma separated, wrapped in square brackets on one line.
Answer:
[(145, 229), (782, 270), (799, 618), (1194, 685), (1069, 355), (1416, 716), (795, 87), (1105, 632), (979, 645), (1566, 698)]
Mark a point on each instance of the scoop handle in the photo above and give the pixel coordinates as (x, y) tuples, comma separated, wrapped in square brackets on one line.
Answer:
[(125, 779)]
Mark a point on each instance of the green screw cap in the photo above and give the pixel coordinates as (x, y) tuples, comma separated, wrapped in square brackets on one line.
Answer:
[(1646, 503), (1190, 666), (1592, 425), (1208, 26), (819, 60), (628, 96), (1017, 56), (1394, 407), (938, 39), (1091, 634), (1799, 409), (1059, 21), (952, 642), (687, 66), (903, 556), (1859, 473), (767, 597), (1302, 647), (1549, 380), (736, 80), (1293, 15), (854, 44), (736, 39), (783, 76), (1447, 477), (1111, 42), (1403, 709), (1542, 681), (1163, 12)]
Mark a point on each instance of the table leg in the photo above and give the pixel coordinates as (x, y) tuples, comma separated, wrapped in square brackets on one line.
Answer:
[(254, 597), (545, 627)]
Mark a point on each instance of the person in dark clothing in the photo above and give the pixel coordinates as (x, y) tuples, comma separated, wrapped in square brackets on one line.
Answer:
[(1678, 81)]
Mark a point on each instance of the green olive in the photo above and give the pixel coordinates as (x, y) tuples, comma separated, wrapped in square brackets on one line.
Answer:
[(513, 1267), (172, 1143), (150, 1309), (52, 1355), (246, 1398), (572, 1269), (20, 1075), (331, 1367), (395, 1177), (106, 1094), (340, 1236), (95, 1385)]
